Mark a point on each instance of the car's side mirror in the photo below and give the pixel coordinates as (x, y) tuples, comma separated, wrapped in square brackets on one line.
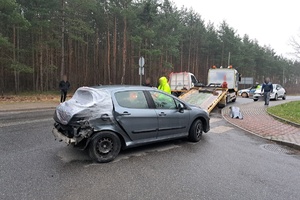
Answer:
[(180, 107)]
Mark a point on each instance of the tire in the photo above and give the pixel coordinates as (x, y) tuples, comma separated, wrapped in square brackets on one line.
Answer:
[(221, 105), (227, 100), (196, 131), (244, 95), (276, 97), (255, 99), (104, 147), (233, 100), (284, 97)]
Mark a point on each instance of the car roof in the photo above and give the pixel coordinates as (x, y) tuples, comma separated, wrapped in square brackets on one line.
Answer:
[(122, 87)]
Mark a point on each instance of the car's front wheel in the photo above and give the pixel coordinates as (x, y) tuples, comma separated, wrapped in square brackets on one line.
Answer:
[(276, 97), (244, 95), (255, 99), (104, 147), (284, 97), (196, 131)]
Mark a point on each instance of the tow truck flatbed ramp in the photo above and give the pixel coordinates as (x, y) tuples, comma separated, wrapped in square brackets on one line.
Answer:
[(206, 98)]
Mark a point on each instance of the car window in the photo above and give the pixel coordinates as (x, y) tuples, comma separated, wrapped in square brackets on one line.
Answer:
[(178, 102), (163, 101), (131, 99), (194, 80)]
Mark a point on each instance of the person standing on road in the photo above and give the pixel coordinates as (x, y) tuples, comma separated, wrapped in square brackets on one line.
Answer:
[(64, 86), (267, 88), (164, 85)]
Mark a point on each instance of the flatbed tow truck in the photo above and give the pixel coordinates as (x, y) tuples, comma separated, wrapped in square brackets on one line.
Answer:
[(222, 88)]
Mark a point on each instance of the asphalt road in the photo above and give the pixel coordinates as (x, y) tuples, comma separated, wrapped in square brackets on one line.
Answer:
[(227, 163)]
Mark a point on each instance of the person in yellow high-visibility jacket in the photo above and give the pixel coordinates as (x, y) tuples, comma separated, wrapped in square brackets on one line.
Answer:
[(164, 85)]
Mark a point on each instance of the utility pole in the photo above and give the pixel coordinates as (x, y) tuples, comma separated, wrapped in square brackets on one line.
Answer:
[(228, 59)]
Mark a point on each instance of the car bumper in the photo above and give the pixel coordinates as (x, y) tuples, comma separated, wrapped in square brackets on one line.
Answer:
[(257, 96), (207, 127), (62, 138), (272, 96)]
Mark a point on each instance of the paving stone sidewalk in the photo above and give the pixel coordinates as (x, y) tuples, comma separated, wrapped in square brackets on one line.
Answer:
[(257, 121)]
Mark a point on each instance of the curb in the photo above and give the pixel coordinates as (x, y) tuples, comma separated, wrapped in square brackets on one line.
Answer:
[(284, 120), (289, 144)]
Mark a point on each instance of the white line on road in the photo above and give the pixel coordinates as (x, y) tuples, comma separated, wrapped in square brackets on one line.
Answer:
[(5, 112), (24, 122)]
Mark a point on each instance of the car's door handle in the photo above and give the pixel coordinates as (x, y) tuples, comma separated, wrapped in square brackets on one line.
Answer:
[(162, 114), (125, 113)]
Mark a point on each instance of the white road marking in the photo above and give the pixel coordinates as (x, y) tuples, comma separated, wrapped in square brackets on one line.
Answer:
[(25, 111), (24, 122)]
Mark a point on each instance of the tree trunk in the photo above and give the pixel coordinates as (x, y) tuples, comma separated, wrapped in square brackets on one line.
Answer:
[(196, 65), (62, 69), (124, 51), (114, 64), (181, 58), (41, 63), (33, 64), (14, 59), (189, 56), (70, 57), (87, 81), (132, 64), (108, 57)]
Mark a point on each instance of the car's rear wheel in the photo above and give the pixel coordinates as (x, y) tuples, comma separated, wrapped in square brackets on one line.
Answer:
[(196, 131), (104, 147), (244, 95), (255, 99), (284, 97)]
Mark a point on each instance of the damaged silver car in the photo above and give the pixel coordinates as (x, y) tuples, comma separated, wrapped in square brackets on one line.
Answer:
[(106, 119)]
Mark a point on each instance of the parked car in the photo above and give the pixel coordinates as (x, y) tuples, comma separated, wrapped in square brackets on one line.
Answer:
[(244, 92), (278, 92), (106, 119), (248, 92)]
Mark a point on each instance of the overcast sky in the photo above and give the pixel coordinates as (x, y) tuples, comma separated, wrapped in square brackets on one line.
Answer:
[(271, 22)]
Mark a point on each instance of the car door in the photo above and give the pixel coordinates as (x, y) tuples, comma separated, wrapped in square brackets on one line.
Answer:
[(280, 91), (171, 122), (134, 116)]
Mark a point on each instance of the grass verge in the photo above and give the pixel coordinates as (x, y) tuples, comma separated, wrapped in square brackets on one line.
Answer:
[(289, 111), (51, 96)]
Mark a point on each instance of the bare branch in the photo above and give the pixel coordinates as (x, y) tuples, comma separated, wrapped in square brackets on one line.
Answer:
[(296, 45)]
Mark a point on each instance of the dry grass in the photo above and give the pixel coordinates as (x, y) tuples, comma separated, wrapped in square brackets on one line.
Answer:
[(32, 97)]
